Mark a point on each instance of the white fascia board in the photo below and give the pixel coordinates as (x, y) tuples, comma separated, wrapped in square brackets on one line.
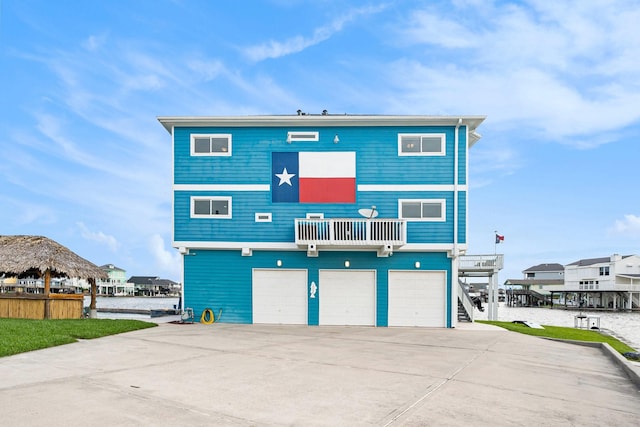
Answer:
[(236, 245), (430, 247), (409, 187), (222, 187), (410, 247), (361, 187), (169, 122)]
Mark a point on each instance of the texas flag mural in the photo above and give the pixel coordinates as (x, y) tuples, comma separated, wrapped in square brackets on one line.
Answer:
[(313, 177)]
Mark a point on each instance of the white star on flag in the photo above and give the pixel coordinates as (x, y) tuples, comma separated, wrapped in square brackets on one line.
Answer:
[(285, 177)]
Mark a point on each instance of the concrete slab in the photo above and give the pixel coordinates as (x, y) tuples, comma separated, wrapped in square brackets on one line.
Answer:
[(240, 375)]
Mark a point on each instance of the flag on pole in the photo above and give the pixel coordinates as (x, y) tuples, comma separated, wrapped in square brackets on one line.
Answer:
[(499, 238)]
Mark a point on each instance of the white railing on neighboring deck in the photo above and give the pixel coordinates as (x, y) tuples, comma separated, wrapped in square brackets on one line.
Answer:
[(351, 232), (481, 262)]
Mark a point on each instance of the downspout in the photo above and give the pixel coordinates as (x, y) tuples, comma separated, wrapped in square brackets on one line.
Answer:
[(182, 251), (455, 190), (454, 254)]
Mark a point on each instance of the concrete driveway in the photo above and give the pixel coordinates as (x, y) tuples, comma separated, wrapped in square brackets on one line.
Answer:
[(260, 375)]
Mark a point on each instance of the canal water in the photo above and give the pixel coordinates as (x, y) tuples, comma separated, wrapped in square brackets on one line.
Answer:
[(141, 303)]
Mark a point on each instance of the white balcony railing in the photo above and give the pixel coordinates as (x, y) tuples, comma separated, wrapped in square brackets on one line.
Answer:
[(481, 262), (351, 232)]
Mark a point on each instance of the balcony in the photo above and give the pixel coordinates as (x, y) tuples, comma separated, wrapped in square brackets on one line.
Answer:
[(384, 234), (468, 265)]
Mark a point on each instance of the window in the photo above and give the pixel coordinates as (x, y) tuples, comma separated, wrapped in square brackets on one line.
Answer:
[(263, 217), (604, 271), (432, 144), (422, 210), (303, 136), (211, 145), (211, 207)]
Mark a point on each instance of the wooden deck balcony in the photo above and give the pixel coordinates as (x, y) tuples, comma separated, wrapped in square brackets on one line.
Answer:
[(348, 232)]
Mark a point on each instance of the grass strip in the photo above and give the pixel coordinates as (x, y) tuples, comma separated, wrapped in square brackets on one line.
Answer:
[(564, 333), (22, 335)]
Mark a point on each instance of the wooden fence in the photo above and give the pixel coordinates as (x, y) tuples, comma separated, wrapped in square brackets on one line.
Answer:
[(35, 306)]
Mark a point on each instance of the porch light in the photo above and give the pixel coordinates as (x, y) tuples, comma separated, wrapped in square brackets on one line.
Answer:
[(279, 263), (347, 264), (417, 264)]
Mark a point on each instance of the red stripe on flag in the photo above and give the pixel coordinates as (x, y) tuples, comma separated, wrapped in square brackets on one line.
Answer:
[(327, 190)]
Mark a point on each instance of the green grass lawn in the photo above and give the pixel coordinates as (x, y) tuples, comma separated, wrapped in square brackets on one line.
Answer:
[(21, 335), (559, 332)]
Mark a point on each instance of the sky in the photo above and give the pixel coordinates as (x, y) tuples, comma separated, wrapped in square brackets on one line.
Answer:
[(85, 162)]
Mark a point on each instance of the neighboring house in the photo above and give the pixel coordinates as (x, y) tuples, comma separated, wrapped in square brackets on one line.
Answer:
[(550, 273), (539, 282), (116, 284), (150, 286), (609, 282), (322, 219)]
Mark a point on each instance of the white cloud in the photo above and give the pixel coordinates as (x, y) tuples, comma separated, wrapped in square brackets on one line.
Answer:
[(208, 69), (630, 225), (169, 262), (93, 42), (565, 73), (100, 237), (276, 49)]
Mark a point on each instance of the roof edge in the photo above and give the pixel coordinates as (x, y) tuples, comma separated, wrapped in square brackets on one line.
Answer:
[(322, 121)]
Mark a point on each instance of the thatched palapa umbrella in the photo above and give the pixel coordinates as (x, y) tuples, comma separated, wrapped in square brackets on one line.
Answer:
[(38, 256)]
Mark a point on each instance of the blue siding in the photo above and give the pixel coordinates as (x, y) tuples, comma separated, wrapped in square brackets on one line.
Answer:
[(377, 162), (462, 217), (377, 155), (222, 280), (243, 228), (462, 155)]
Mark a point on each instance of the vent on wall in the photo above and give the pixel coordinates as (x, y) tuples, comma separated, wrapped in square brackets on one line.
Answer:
[(299, 136)]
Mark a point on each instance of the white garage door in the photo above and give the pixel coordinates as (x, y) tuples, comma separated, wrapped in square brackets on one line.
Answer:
[(280, 296), (347, 297), (417, 298)]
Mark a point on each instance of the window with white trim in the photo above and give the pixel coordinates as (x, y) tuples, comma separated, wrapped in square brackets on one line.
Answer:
[(301, 136), (211, 207), (421, 144), (218, 144), (422, 209), (263, 216), (604, 271)]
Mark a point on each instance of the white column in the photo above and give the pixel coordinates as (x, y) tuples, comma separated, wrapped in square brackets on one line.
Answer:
[(454, 291), (492, 293), (490, 305)]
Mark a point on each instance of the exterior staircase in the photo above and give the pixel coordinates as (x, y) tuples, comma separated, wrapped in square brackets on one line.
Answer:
[(465, 304), (463, 316)]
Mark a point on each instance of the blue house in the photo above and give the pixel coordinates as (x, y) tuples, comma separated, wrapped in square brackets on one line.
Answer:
[(322, 219)]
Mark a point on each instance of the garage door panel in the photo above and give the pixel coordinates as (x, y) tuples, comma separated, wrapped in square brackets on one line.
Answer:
[(280, 296), (417, 298), (347, 298)]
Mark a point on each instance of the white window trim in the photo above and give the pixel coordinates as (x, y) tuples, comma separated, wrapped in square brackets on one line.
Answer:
[(442, 218), (443, 145), (210, 135), (295, 136), (210, 198), (267, 217), (314, 216)]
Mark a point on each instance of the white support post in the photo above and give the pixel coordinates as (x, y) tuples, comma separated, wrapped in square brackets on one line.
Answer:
[(454, 291), (492, 303)]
